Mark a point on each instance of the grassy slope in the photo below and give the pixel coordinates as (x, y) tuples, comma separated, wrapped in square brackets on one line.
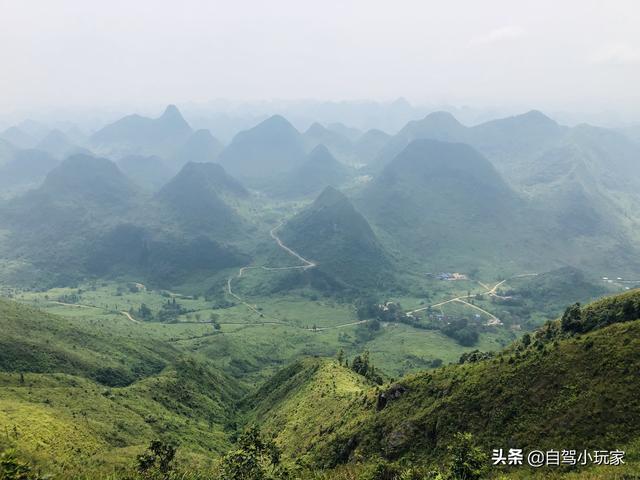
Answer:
[(62, 416), (34, 341), (560, 392), (318, 389)]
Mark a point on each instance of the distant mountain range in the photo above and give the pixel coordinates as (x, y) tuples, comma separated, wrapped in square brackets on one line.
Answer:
[(517, 193)]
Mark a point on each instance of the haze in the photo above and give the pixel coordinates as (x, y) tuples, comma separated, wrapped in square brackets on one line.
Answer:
[(562, 56)]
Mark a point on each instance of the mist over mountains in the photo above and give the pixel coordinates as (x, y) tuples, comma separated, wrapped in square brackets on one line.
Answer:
[(233, 273), (511, 189)]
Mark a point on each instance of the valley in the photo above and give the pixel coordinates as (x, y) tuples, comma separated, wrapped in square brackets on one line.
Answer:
[(350, 313)]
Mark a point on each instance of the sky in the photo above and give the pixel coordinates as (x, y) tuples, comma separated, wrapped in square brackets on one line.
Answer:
[(565, 55)]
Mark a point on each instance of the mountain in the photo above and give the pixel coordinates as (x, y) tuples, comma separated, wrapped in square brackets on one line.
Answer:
[(58, 144), (89, 219), (369, 145), (196, 196), (589, 181), (552, 387), (531, 148), (200, 147), (606, 156), (18, 137), (318, 171), (34, 129), (350, 133), (331, 233), (632, 132), (264, 151), (448, 205), (7, 151), (509, 143), (445, 204), (135, 134), (53, 228), (27, 167), (339, 145), (150, 172), (436, 126), (90, 179)]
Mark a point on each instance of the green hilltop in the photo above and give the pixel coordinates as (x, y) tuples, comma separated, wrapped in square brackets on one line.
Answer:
[(333, 234)]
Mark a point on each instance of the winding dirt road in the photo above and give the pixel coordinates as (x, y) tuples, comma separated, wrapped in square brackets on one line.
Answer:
[(307, 265), (491, 291)]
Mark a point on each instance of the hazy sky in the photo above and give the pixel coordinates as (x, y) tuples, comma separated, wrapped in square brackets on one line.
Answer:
[(572, 54)]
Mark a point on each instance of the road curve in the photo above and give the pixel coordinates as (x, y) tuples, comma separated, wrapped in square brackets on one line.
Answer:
[(307, 265)]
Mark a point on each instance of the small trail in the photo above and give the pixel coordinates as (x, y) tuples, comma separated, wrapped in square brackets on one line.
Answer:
[(75, 305), (128, 315), (319, 329)]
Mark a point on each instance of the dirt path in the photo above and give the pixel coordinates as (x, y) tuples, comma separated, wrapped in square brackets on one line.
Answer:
[(75, 305), (320, 329), (491, 291), (307, 265), (128, 315)]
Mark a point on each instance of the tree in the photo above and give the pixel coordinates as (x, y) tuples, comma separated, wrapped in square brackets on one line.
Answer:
[(340, 356), (572, 319), (157, 461), (144, 312), (362, 366), (466, 460), (254, 458)]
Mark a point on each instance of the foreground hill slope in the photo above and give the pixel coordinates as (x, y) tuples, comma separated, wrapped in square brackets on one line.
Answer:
[(569, 385), (85, 396)]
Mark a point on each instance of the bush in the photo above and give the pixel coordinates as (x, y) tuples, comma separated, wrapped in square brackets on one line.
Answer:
[(11, 468), (466, 461)]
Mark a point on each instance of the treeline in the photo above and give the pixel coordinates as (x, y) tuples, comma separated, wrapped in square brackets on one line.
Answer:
[(362, 365), (169, 312)]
